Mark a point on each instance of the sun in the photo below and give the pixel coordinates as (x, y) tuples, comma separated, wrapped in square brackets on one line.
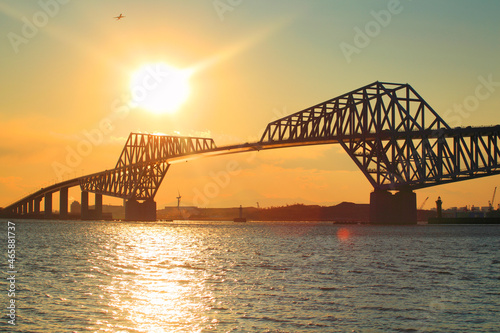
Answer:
[(159, 88)]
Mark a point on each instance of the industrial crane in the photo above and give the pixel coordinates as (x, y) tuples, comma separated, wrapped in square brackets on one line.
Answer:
[(423, 203)]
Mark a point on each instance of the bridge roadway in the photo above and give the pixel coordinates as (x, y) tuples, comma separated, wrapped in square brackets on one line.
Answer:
[(29, 206), (390, 132), (223, 150)]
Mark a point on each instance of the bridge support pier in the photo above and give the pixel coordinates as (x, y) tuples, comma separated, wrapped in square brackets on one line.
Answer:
[(84, 213), (388, 208), (48, 205), (98, 206), (137, 211), (30, 207), (36, 208), (63, 203)]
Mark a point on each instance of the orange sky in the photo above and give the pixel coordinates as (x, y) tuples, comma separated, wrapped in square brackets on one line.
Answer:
[(252, 62)]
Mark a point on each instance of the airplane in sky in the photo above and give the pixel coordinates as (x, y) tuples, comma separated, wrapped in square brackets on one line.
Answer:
[(119, 17)]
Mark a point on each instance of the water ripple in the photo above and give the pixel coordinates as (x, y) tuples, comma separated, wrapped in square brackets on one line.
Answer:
[(258, 277)]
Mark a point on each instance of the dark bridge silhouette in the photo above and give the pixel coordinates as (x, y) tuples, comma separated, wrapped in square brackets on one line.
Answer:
[(392, 134)]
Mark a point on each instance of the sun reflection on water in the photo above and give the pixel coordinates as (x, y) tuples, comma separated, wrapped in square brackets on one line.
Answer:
[(156, 282)]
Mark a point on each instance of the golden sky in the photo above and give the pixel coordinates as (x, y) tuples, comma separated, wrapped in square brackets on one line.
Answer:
[(67, 67)]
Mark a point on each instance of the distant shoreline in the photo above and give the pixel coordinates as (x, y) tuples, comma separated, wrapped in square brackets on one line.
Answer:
[(343, 213)]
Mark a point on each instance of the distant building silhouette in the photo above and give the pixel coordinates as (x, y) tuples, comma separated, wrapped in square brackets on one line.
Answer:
[(76, 208)]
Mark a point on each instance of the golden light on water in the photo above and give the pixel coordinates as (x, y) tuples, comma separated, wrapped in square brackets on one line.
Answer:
[(153, 290)]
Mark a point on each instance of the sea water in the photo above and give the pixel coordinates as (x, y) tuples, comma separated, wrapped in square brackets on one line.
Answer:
[(187, 276)]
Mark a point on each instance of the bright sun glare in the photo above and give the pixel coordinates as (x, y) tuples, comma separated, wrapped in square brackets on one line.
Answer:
[(159, 88)]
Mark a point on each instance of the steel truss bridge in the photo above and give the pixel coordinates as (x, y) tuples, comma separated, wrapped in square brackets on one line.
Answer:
[(391, 133)]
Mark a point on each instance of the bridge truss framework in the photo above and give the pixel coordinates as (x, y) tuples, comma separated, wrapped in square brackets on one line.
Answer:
[(391, 133)]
